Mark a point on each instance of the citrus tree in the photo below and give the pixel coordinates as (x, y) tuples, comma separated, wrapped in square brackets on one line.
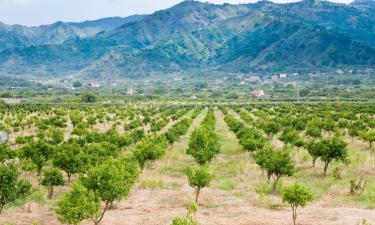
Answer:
[(296, 195)]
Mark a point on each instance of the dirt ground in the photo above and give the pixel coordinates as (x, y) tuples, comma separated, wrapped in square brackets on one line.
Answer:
[(162, 193)]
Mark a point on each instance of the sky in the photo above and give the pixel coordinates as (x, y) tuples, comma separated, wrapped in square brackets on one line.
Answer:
[(37, 12)]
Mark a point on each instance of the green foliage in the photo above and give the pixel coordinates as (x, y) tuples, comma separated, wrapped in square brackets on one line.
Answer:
[(277, 163), (315, 149), (99, 152), (71, 158), (290, 136), (88, 98), (250, 138), (203, 145), (151, 148), (77, 205), (39, 152), (177, 130), (111, 180), (51, 178), (296, 195), (54, 136), (6, 153), (198, 178), (189, 218), (368, 136), (333, 149), (204, 142), (11, 188), (271, 128)]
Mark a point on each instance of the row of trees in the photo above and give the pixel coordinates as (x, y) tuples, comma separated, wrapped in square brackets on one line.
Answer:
[(250, 138), (203, 147), (325, 149), (92, 195), (276, 163)]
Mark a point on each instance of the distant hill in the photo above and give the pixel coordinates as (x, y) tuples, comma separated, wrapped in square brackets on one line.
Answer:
[(192, 35), (17, 36)]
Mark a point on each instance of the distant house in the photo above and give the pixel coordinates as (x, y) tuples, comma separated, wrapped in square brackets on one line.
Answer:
[(194, 97), (274, 78), (178, 78), (283, 75), (254, 79), (340, 71), (129, 91), (258, 94), (95, 84)]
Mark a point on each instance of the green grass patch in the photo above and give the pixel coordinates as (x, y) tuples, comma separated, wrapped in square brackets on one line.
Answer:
[(152, 184)]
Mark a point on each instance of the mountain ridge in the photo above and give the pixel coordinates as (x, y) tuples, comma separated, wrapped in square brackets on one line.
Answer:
[(192, 35), (58, 32)]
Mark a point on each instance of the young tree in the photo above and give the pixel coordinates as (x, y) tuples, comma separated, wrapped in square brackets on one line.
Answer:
[(150, 148), (54, 136), (271, 128), (77, 205), (279, 164), (198, 178), (315, 149), (313, 131), (203, 145), (262, 156), (11, 188), (51, 178), (250, 139), (111, 181), (333, 149), (289, 136), (38, 152), (99, 152), (70, 158), (368, 136), (296, 195)]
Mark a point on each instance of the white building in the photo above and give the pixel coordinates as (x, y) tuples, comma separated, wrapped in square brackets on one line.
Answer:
[(258, 94), (129, 91), (283, 75)]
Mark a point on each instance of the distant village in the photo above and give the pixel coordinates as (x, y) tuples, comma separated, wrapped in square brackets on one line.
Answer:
[(255, 82)]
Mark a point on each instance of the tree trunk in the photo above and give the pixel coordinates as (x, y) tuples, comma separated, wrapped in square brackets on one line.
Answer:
[(1, 208), (197, 195), (268, 177), (102, 215), (325, 168), (275, 183), (314, 161), (294, 214), (29, 208), (50, 192), (69, 176)]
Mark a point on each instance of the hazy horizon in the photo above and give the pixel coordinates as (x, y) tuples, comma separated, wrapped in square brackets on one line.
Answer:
[(39, 12)]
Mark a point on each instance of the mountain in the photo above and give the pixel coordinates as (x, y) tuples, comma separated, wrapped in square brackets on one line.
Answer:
[(17, 36), (192, 35)]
